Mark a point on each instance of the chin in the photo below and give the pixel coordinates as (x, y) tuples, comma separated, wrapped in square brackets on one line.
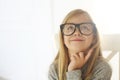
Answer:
[(79, 50)]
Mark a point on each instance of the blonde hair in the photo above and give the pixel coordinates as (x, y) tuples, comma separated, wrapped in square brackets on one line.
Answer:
[(62, 57)]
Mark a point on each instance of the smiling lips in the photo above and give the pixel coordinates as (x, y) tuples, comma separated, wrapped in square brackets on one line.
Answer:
[(77, 39)]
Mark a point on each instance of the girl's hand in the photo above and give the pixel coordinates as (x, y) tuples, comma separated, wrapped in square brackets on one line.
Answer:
[(78, 60)]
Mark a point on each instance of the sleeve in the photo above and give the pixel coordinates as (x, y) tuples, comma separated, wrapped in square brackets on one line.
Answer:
[(102, 71), (74, 75), (71, 75), (52, 75)]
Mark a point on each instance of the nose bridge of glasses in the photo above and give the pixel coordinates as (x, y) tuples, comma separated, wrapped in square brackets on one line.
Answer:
[(77, 30)]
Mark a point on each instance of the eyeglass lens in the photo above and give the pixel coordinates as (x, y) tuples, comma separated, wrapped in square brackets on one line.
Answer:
[(85, 29)]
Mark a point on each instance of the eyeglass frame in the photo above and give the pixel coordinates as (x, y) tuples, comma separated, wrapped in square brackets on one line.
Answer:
[(77, 26)]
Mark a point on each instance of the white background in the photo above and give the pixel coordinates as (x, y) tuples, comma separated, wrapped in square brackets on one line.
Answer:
[(28, 29)]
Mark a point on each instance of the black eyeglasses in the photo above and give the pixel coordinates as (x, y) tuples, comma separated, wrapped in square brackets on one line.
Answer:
[(84, 28)]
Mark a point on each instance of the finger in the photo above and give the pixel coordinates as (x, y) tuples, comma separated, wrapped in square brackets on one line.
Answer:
[(81, 54), (76, 56), (72, 58), (88, 55)]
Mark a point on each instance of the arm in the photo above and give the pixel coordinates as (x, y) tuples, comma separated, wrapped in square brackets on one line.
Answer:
[(101, 71), (71, 75), (77, 61), (74, 75)]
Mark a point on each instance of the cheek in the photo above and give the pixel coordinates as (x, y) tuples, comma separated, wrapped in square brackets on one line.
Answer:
[(90, 40), (66, 40)]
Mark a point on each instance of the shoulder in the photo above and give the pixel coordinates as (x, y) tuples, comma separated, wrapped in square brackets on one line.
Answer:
[(53, 70), (54, 66), (102, 62), (102, 69)]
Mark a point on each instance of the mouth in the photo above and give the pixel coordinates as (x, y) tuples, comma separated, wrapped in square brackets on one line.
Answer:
[(77, 40)]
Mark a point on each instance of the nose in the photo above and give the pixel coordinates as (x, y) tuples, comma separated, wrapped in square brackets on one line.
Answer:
[(77, 32)]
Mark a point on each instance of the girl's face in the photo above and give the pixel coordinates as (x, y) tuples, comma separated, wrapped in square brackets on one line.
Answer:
[(78, 42)]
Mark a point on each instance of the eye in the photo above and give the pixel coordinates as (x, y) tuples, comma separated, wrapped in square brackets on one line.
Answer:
[(69, 27), (86, 28)]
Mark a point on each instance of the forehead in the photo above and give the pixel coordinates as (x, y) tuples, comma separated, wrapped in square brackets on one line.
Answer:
[(79, 18)]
